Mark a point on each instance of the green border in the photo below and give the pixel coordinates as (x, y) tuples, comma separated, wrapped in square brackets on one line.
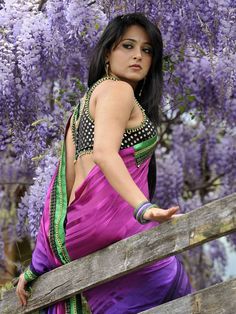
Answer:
[(61, 210), (145, 149), (58, 212)]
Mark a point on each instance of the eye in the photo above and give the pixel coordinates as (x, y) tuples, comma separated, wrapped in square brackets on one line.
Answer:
[(147, 50), (127, 46)]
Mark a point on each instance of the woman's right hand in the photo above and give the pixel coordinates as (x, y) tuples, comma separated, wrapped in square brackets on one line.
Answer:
[(161, 215), (21, 291)]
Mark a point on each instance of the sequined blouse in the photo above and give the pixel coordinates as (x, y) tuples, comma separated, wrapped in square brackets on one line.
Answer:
[(83, 127)]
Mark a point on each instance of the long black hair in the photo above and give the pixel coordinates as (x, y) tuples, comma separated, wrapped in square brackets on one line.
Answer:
[(152, 89)]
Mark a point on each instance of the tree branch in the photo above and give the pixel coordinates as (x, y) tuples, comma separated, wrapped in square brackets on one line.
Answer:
[(41, 4), (206, 184)]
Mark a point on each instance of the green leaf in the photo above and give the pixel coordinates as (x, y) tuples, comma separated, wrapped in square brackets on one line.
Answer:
[(182, 108), (191, 98), (180, 98)]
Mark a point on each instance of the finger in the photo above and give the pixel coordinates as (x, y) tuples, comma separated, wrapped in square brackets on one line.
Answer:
[(162, 216), (22, 296), (177, 215), (21, 299), (171, 211), (175, 207)]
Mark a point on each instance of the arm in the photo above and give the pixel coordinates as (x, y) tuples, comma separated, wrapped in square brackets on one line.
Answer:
[(114, 105), (115, 101)]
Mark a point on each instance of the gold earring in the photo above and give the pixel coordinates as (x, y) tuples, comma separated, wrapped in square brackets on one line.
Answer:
[(141, 89), (107, 68)]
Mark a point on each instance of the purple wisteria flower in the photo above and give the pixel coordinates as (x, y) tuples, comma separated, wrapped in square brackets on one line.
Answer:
[(31, 206)]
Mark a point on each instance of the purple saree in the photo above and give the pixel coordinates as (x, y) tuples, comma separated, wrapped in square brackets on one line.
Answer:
[(92, 224), (96, 218)]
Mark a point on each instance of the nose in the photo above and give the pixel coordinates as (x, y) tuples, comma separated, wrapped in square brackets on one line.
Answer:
[(138, 54)]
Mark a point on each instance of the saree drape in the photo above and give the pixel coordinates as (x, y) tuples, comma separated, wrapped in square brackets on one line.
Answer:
[(96, 218)]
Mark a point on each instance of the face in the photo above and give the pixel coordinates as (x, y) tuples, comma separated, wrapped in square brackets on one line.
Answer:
[(134, 48)]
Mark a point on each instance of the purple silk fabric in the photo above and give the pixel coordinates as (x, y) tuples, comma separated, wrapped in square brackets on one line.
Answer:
[(96, 218), (99, 217)]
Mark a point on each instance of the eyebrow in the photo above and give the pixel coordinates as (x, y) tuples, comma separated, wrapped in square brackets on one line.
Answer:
[(135, 40)]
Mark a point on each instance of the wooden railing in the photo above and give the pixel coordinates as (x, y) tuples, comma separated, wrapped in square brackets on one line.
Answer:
[(201, 225)]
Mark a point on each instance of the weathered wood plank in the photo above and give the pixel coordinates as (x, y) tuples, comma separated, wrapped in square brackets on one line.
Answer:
[(197, 227), (217, 299)]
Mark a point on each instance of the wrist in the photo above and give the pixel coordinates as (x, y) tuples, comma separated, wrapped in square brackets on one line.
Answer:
[(22, 277), (140, 204), (148, 214), (29, 275), (142, 212)]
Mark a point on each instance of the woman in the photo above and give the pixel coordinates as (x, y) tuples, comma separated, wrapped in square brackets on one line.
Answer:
[(102, 188)]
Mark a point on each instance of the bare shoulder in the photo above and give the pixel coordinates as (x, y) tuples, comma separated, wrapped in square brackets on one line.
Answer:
[(116, 90)]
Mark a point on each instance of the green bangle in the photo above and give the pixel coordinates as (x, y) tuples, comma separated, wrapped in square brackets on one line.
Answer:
[(29, 275)]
